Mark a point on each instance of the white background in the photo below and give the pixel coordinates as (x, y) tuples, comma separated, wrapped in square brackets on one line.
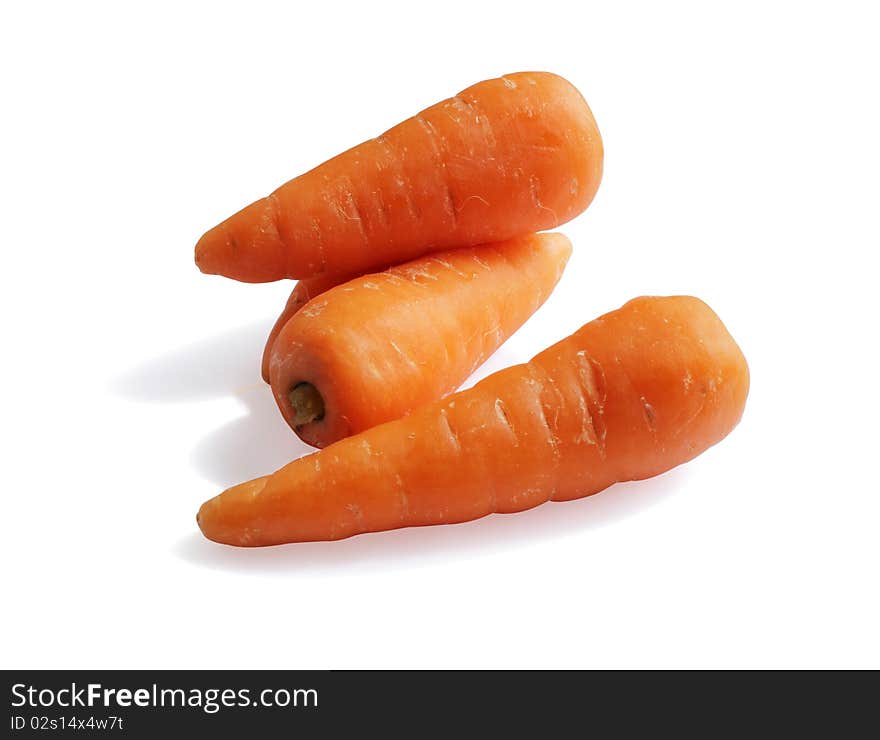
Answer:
[(741, 166)]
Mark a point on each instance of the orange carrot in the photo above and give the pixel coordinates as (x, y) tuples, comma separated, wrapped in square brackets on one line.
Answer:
[(628, 396), (377, 347), (505, 157), (301, 294)]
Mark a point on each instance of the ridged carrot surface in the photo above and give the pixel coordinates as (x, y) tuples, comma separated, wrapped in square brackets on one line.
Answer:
[(377, 347), (630, 395), (505, 157), (301, 294)]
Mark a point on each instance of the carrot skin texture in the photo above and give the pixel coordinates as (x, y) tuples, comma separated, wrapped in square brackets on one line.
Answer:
[(301, 294), (386, 343), (630, 395), (505, 157)]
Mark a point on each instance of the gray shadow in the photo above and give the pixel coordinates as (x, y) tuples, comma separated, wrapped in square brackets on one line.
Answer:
[(255, 444), (209, 368), (415, 546), (225, 365)]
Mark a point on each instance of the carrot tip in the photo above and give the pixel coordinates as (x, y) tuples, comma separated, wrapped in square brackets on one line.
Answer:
[(307, 403), (212, 249), (202, 256)]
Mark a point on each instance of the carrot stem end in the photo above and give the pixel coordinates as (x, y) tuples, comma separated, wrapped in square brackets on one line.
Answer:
[(307, 403)]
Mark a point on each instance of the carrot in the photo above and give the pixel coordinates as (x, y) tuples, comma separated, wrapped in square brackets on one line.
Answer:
[(628, 396), (301, 294), (381, 345), (505, 157)]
